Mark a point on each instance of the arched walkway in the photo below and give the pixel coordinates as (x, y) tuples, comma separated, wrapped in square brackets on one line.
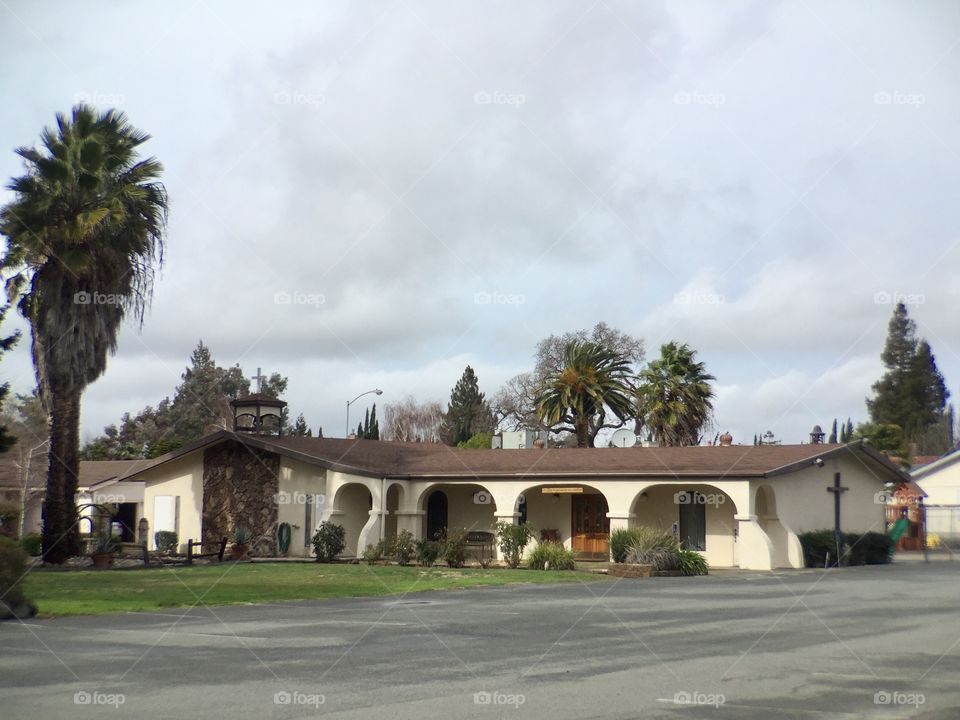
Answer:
[(467, 506), (701, 516), (393, 501), (573, 514)]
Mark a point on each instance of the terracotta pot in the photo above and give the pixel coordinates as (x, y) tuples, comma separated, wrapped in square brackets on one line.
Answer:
[(239, 552), (101, 562)]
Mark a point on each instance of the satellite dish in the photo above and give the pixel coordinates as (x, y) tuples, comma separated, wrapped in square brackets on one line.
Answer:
[(623, 438)]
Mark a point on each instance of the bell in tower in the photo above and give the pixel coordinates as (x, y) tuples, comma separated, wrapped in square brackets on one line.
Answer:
[(258, 413)]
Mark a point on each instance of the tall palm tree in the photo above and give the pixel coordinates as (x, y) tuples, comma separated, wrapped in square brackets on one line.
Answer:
[(85, 232), (675, 397), (591, 377)]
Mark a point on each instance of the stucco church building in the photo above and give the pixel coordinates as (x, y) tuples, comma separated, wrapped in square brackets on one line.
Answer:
[(741, 506)]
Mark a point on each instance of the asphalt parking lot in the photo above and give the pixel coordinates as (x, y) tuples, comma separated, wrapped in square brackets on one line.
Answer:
[(858, 642)]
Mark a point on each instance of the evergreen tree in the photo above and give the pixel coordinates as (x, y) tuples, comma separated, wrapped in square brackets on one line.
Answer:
[(833, 433), (374, 432), (300, 428), (468, 411), (911, 394), (849, 430)]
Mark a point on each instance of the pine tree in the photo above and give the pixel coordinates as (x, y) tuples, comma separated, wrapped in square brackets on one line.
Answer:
[(468, 411), (912, 393), (849, 430), (300, 428), (833, 433)]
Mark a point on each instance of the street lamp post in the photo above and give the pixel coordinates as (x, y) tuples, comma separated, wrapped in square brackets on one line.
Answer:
[(378, 391)]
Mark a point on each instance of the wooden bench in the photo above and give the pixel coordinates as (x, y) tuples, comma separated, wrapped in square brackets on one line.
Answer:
[(482, 545), (191, 544)]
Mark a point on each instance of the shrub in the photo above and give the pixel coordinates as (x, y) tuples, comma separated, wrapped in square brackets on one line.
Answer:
[(478, 441), (9, 519), (428, 552), (31, 544), (817, 546), (658, 548), (166, 541), (551, 556), (869, 548), (372, 553), (690, 562), (620, 542), (879, 548), (329, 541), (283, 534), (13, 565), (104, 545), (512, 539), (403, 547), (455, 548)]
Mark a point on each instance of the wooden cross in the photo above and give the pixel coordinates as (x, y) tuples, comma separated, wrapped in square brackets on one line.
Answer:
[(259, 377), (837, 489)]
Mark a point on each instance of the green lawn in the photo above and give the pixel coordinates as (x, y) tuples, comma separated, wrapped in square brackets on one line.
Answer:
[(91, 592)]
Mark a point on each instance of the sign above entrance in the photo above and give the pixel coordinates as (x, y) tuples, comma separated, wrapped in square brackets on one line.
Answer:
[(568, 490)]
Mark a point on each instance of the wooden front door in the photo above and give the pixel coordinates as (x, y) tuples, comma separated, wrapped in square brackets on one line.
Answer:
[(591, 527)]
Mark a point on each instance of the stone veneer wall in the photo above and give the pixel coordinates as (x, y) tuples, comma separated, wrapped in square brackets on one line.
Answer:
[(239, 485)]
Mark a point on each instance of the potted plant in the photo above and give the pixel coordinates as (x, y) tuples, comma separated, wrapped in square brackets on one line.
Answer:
[(241, 543), (103, 552)]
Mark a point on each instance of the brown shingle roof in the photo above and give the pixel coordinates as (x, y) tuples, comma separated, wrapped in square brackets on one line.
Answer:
[(91, 471), (403, 460)]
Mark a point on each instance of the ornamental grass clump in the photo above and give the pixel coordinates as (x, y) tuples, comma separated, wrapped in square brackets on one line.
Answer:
[(654, 547)]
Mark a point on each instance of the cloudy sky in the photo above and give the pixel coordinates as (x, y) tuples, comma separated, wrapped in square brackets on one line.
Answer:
[(377, 194)]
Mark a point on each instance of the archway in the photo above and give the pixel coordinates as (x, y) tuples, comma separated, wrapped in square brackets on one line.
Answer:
[(701, 516), (466, 506), (572, 514), (394, 498), (351, 508)]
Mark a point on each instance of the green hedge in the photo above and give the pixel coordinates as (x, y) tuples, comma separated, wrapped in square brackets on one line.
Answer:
[(870, 548)]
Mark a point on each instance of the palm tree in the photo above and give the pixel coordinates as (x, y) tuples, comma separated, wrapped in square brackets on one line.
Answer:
[(590, 378), (85, 232), (675, 396)]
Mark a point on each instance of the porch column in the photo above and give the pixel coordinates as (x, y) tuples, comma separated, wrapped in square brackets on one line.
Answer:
[(370, 534), (755, 551), (410, 520), (619, 521)]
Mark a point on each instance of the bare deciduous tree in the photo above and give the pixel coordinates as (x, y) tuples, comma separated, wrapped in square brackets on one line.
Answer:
[(412, 421), (514, 405)]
